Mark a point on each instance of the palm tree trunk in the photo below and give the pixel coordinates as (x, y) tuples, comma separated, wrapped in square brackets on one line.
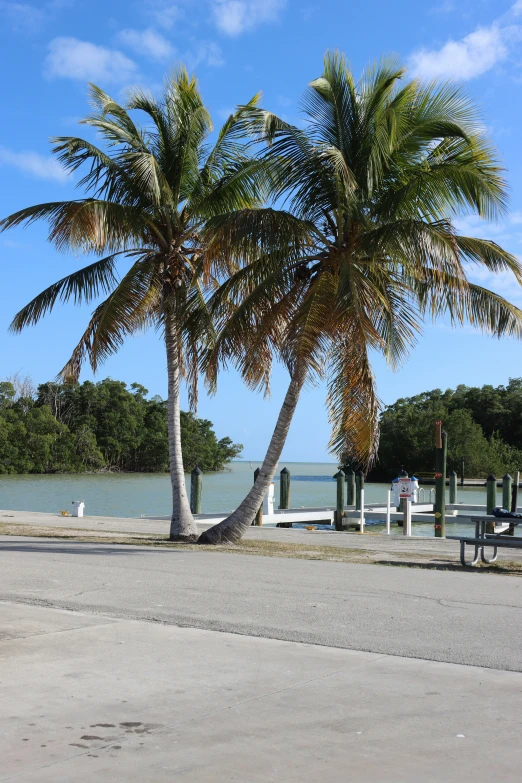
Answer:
[(182, 524), (233, 527)]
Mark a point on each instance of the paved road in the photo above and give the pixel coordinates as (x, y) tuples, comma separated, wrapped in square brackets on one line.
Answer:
[(468, 618), (92, 698)]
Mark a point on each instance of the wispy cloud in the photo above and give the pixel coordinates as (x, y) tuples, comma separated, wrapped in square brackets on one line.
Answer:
[(446, 7), (70, 58), (510, 227), (22, 16), (234, 17), (147, 42), (167, 14), (33, 163), (203, 52), (28, 18), (472, 55)]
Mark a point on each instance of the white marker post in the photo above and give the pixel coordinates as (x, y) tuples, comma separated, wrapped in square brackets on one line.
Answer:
[(388, 512), (406, 528), (361, 520)]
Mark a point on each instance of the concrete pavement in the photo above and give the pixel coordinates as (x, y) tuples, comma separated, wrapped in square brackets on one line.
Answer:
[(453, 616), (89, 697)]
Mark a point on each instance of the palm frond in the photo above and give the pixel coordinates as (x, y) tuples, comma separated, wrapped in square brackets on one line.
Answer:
[(82, 286)]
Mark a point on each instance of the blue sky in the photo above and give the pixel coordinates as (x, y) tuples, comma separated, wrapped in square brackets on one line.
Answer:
[(50, 50)]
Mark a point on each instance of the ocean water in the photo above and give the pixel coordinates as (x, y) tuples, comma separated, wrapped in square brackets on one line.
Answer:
[(148, 494)]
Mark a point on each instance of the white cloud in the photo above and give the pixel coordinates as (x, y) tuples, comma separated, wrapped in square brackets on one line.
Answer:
[(233, 17), (472, 56), (70, 58), (147, 42), (39, 166)]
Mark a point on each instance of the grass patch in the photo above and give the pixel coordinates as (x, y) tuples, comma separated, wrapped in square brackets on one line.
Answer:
[(265, 549)]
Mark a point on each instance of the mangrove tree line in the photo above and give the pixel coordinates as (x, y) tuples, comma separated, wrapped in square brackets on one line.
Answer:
[(99, 426), (484, 426)]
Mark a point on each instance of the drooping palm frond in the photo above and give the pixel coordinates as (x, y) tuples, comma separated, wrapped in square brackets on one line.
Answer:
[(82, 286), (353, 406)]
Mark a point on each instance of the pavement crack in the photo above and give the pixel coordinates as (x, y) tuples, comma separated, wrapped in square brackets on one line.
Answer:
[(84, 592)]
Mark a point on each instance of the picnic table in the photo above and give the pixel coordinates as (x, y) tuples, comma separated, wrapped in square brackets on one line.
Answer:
[(483, 539)]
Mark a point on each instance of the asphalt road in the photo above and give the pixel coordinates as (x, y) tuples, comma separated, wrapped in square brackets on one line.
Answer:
[(467, 618)]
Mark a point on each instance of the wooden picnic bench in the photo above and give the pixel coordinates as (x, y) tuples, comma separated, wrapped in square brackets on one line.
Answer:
[(483, 539)]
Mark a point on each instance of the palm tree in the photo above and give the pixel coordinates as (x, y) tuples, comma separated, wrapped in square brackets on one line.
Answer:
[(367, 249), (150, 191)]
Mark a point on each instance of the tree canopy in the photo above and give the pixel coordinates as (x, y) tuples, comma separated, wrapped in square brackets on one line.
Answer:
[(99, 426), (484, 426)]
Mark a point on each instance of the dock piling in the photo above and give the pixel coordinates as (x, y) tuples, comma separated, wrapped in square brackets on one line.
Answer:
[(359, 487), (339, 477), (514, 492), (258, 519), (388, 511), (441, 451), (350, 487), (196, 487), (507, 486), (453, 487), (284, 488), (491, 500)]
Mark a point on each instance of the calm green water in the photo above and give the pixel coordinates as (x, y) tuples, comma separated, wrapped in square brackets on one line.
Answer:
[(137, 494)]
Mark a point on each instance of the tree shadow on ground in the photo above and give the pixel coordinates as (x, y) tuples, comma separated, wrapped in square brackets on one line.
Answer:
[(515, 570), (79, 548)]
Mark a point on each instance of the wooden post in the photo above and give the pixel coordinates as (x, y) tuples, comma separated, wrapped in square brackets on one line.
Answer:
[(491, 493), (258, 519), (402, 474), (284, 488), (514, 492), (462, 472), (196, 486), (491, 500), (339, 477), (453, 487), (441, 450), (350, 487), (507, 485), (359, 484)]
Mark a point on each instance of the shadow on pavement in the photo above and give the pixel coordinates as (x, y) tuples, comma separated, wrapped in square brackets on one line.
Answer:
[(79, 548), (485, 569)]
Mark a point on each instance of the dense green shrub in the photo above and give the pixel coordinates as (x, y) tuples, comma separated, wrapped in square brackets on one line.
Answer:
[(95, 426), (484, 427)]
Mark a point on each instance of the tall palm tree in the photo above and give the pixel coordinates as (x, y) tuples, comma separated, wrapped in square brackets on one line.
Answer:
[(367, 249), (150, 191)]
